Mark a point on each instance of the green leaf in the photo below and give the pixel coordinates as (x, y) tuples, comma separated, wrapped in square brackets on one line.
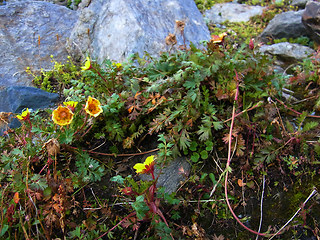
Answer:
[(175, 215), (204, 154), (190, 84), (204, 133), (309, 126), (4, 229), (193, 146), (195, 157), (140, 207), (47, 192), (118, 179), (67, 136), (170, 198), (212, 177), (209, 145), (184, 140), (290, 126), (217, 125), (203, 177)]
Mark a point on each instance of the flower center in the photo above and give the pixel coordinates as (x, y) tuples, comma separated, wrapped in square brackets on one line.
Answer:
[(63, 114), (92, 108)]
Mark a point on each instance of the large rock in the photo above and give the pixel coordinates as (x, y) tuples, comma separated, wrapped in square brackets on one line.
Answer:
[(232, 12), (115, 29), (29, 33), (15, 99), (288, 52), (284, 25), (311, 20)]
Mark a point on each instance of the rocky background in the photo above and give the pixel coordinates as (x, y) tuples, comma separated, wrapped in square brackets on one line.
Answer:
[(33, 33)]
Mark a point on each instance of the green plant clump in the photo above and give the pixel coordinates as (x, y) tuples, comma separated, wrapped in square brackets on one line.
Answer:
[(54, 166)]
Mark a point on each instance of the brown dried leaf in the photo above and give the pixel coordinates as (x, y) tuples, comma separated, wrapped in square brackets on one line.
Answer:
[(171, 39), (52, 146), (4, 119)]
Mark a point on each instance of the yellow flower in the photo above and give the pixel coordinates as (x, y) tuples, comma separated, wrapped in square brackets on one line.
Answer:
[(93, 107), (87, 65), (62, 116), (118, 65), (146, 167), (71, 105), (25, 115)]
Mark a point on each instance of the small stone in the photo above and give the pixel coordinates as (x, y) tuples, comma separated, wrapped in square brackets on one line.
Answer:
[(15, 99), (171, 175), (284, 25), (232, 12), (287, 51)]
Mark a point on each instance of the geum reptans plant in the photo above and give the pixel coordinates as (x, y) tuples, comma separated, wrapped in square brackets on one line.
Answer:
[(186, 99)]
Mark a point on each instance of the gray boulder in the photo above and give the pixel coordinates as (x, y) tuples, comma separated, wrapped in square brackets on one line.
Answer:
[(311, 20), (299, 3), (232, 12), (23, 25), (60, 2), (284, 25), (288, 52), (171, 175), (15, 99), (115, 29)]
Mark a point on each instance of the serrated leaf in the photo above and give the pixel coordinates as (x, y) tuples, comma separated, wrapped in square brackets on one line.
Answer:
[(190, 84), (118, 179), (184, 140), (140, 207), (309, 125), (204, 133), (289, 126), (217, 125)]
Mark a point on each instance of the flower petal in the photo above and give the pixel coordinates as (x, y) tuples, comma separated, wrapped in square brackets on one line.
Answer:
[(149, 160), (140, 167)]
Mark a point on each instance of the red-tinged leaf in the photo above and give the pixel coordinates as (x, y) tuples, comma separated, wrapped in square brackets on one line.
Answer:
[(126, 223), (189, 122), (16, 198), (225, 139), (133, 115), (220, 237), (135, 227), (220, 94)]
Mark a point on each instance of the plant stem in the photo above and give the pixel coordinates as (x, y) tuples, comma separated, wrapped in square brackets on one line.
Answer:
[(228, 166), (261, 204), (102, 79), (296, 112), (116, 155)]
